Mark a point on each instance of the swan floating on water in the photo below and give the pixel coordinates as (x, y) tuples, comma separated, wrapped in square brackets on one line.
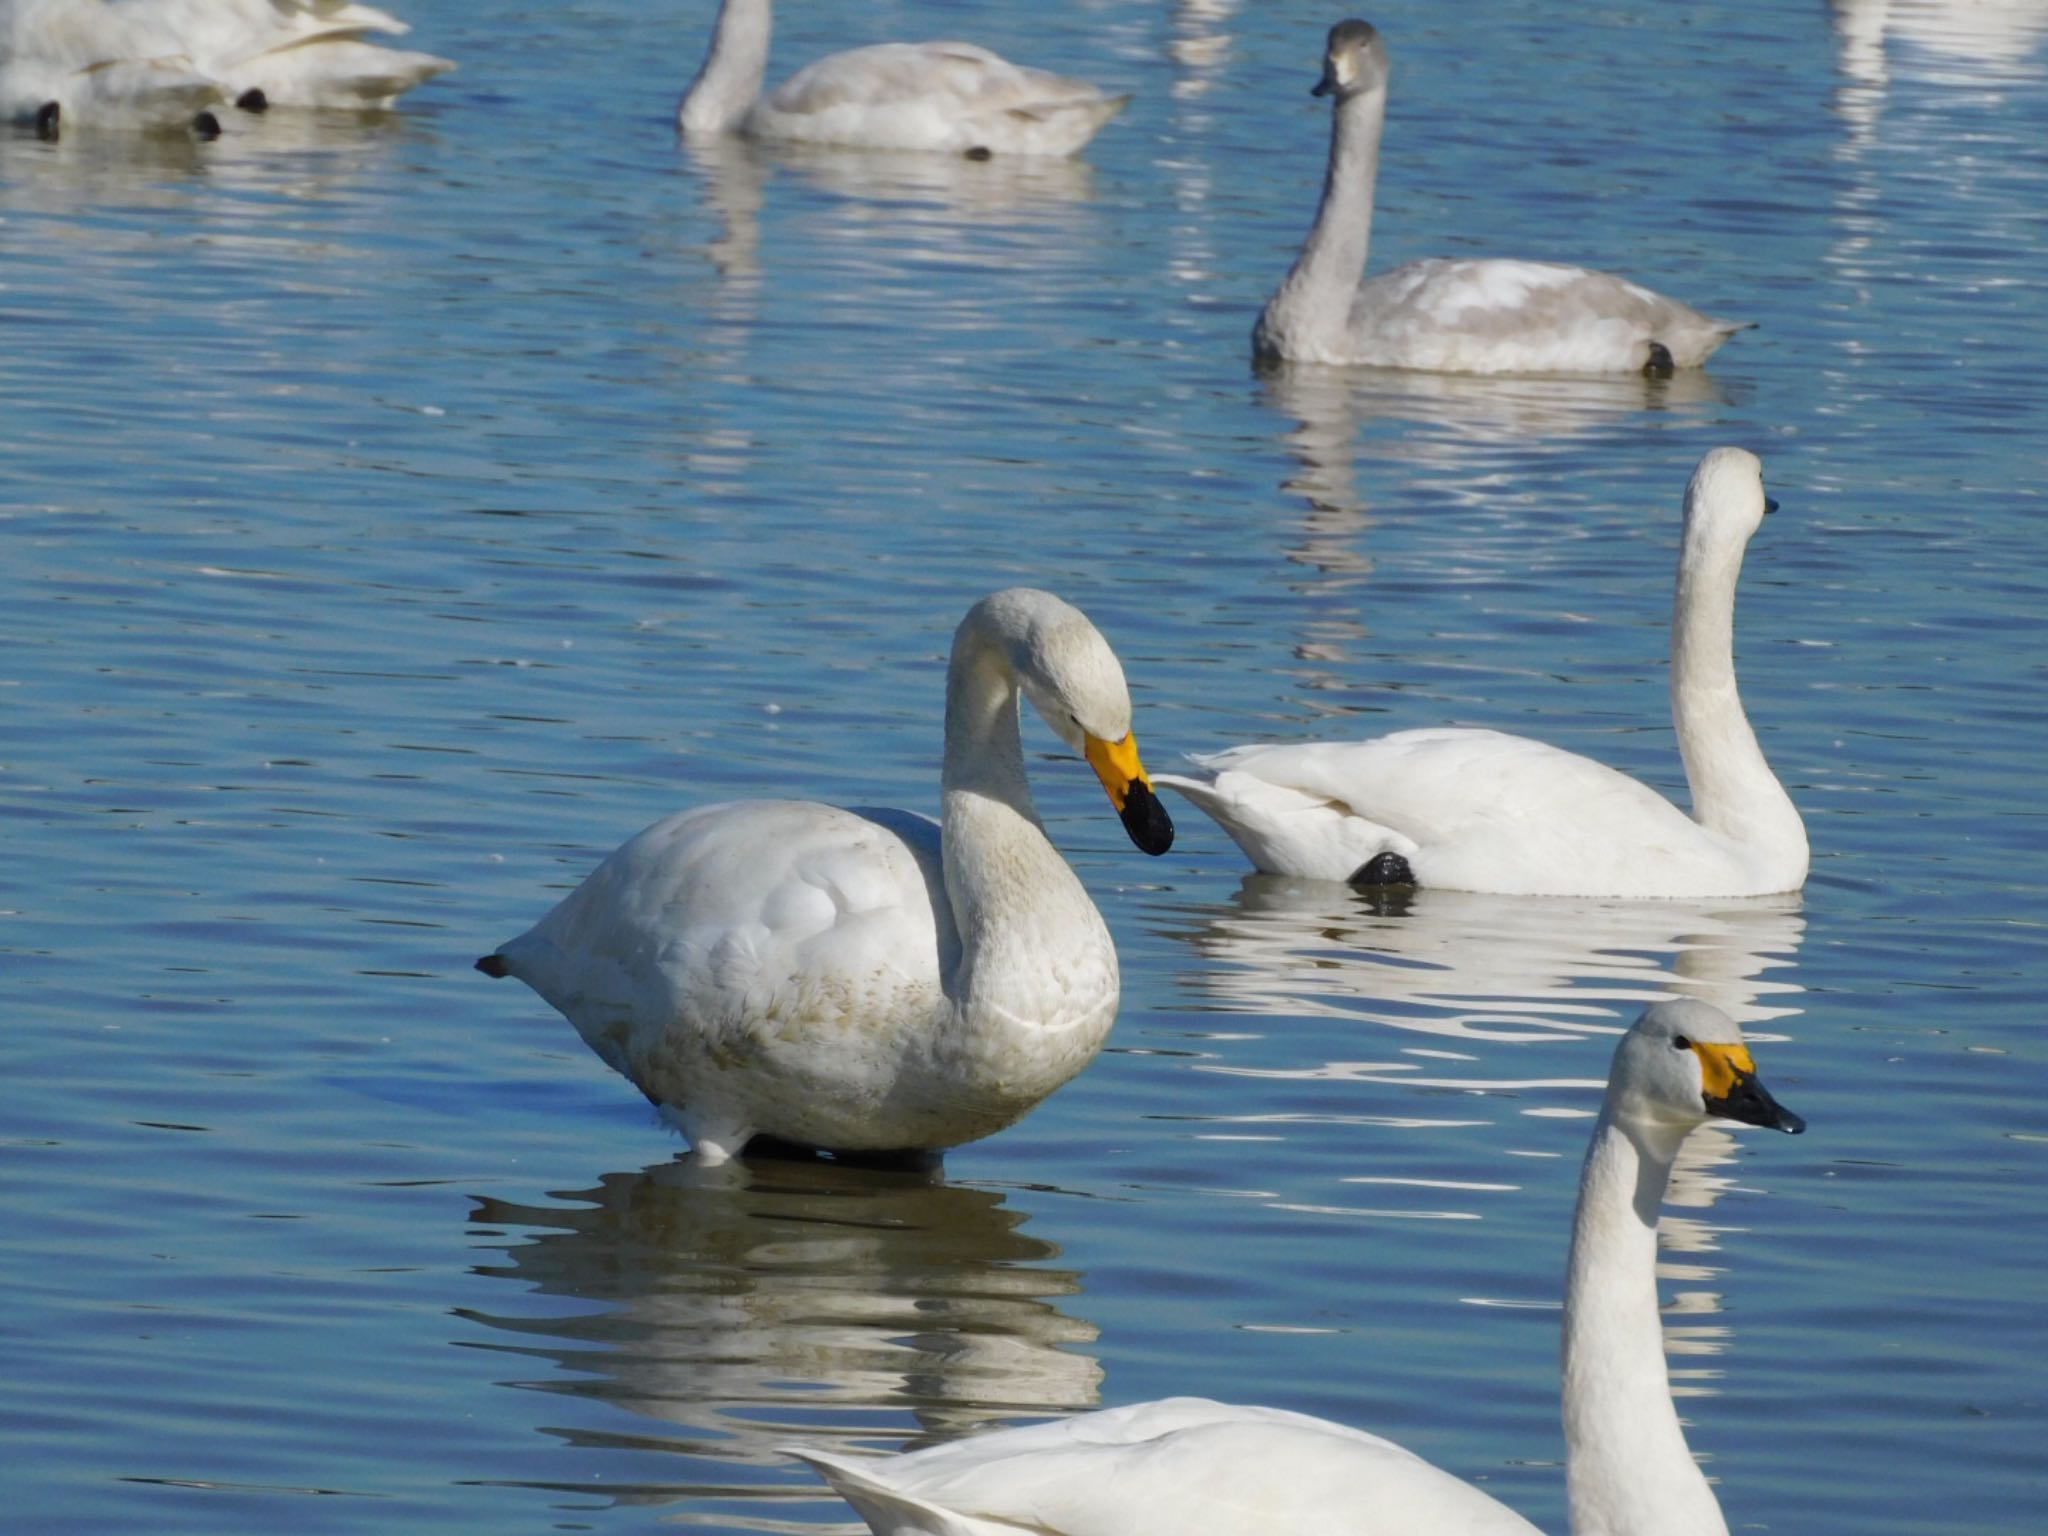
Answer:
[(168, 64), (866, 980), (1452, 316), (1190, 1467), (1478, 810), (945, 96)]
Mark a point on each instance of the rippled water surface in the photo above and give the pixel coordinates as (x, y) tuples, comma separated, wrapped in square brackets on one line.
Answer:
[(400, 513)]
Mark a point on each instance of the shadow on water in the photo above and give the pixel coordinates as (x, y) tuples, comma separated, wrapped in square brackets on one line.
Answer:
[(745, 1307)]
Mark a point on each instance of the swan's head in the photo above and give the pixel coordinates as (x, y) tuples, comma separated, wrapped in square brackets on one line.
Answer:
[(1684, 1062), (1354, 61), (1725, 501), (1071, 676)]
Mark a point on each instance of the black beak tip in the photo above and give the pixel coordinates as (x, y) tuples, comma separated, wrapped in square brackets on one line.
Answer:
[(1322, 87), (1770, 504), (1146, 821), (1789, 1123)]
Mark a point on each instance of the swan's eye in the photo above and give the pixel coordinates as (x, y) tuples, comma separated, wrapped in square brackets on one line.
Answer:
[(1680, 1043)]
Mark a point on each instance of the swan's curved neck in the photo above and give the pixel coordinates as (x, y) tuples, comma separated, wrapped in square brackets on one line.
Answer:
[(1734, 792), (729, 80), (1012, 894), (1314, 299), (1627, 1466)]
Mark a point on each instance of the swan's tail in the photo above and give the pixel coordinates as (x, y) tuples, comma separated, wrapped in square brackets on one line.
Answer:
[(336, 70), (1068, 123), (891, 1511)]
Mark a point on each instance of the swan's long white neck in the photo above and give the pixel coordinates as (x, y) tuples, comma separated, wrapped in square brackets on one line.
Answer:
[(729, 81), (1015, 900), (1734, 793), (1314, 299), (1627, 1466)]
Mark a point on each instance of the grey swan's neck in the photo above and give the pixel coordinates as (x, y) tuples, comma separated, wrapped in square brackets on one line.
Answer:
[(1628, 1469), (1312, 306), (729, 81)]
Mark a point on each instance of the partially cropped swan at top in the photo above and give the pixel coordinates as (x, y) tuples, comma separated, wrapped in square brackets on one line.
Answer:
[(864, 980), (1477, 810), (176, 63), (1455, 316), (1190, 1467), (944, 96)]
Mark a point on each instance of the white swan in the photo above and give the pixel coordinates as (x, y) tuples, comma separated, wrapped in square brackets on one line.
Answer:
[(866, 980), (952, 97), (1476, 810), (1460, 316), (169, 63), (1190, 1467)]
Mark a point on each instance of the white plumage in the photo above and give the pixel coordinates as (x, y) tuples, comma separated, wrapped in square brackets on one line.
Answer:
[(1478, 810), (1191, 1467), (161, 63), (865, 980), (1462, 316), (941, 96)]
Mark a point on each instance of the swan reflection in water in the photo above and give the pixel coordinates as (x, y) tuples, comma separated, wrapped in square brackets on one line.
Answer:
[(1458, 964), (768, 1302), (1445, 987), (926, 204)]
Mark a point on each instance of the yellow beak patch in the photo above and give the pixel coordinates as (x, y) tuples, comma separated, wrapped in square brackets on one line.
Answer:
[(1722, 1066), (1116, 764)]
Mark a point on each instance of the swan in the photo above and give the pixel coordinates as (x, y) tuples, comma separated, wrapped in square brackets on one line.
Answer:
[(170, 63), (865, 980), (1190, 1467), (946, 96), (1477, 810), (1451, 316)]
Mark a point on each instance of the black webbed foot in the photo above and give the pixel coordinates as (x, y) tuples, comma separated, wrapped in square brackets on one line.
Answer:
[(1388, 868), (1660, 364)]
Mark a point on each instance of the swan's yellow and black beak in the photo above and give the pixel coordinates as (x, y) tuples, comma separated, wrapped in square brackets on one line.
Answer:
[(1733, 1090), (1130, 791)]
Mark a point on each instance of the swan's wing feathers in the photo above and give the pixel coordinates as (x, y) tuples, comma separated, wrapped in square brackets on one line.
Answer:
[(734, 913), (933, 96), (1484, 315), (958, 75), (1184, 1467), (1469, 809)]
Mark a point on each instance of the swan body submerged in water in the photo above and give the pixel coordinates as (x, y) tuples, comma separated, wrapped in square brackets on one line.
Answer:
[(1457, 316), (1479, 810), (941, 96)]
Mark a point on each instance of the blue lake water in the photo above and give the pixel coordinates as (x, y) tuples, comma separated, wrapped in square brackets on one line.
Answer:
[(399, 514)]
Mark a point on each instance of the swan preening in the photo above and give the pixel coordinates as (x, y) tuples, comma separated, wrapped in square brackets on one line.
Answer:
[(866, 980), (1191, 1467), (160, 64), (945, 96), (1476, 810), (1462, 316)]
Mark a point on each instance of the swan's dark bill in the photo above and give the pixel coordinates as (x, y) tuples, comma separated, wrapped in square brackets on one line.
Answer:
[(1749, 1101), (1146, 819), (253, 100), (48, 116), (206, 126), (494, 965)]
